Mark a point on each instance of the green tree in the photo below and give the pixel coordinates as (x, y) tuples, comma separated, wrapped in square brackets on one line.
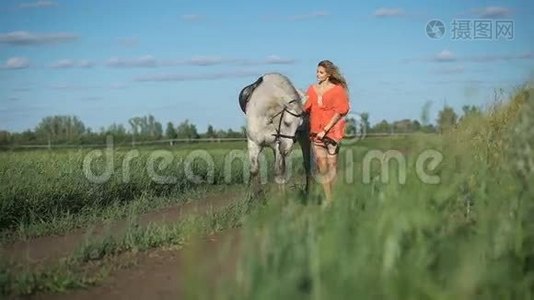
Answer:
[(470, 111), (185, 130), (193, 132), (447, 119), (116, 129), (62, 128), (170, 132), (146, 127), (230, 133), (416, 126), (210, 133), (428, 128), (382, 127), (402, 126), (350, 127), (5, 137), (365, 120), (158, 130), (135, 124)]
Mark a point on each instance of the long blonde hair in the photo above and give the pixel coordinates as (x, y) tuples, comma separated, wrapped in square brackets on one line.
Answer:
[(333, 71)]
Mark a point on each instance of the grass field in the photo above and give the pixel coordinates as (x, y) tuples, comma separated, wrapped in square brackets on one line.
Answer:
[(452, 217), (470, 236)]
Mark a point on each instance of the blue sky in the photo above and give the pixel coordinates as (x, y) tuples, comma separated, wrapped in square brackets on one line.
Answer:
[(107, 61)]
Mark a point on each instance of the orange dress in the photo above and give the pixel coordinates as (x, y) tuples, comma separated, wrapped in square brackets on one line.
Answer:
[(335, 100)]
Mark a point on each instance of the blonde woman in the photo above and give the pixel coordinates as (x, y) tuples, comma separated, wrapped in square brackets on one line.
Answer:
[(327, 104)]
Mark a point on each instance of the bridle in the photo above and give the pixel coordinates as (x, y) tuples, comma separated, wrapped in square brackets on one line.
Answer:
[(279, 135)]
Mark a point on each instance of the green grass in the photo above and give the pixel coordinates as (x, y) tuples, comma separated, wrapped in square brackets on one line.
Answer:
[(45, 192), (94, 216), (40, 187), (469, 237), (93, 261)]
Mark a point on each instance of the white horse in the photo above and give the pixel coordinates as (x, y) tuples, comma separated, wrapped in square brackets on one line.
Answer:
[(275, 119)]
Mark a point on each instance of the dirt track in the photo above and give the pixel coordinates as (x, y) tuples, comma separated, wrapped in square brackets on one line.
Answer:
[(51, 248), (164, 273), (155, 274)]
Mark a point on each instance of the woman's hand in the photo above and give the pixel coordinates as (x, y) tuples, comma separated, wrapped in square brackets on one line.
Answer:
[(321, 134)]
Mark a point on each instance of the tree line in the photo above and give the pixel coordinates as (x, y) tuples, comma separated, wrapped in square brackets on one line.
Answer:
[(447, 119), (67, 129), (70, 130)]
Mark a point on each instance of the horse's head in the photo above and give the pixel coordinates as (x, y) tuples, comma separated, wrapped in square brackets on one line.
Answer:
[(291, 119)]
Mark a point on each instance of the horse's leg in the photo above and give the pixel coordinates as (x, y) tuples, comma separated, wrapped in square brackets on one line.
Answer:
[(279, 168), (253, 154), (305, 146)]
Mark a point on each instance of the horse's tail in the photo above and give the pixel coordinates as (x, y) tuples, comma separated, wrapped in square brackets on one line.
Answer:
[(246, 92)]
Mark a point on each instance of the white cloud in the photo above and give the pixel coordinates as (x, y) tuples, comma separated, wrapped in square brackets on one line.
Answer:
[(146, 61), (92, 98), (17, 63), (203, 61), (128, 42), (24, 38), (445, 56), (85, 64), (500, 57), (311, 15), (448, 56), (450, 70), (149, 61), (38, 4), (191, 77), (117, 86), (277, 60), (269, 60), (72, 87), (191, 17), (492, 12), (21, 89), (385, 12), (69, 63)]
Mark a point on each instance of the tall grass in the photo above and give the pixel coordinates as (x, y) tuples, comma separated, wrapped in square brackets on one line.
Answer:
[(93, 261), (41, 186), (469, 237)]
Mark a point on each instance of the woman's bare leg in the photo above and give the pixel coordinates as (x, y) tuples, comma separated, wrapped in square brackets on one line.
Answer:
[(332, 168), (325, 175)]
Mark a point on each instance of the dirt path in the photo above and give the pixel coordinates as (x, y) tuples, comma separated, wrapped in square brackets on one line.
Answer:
[(51, 248), (167, 273)]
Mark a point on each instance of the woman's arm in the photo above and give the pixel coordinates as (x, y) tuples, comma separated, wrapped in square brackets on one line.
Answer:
[(332, 122), (341, 108), (329, 126)]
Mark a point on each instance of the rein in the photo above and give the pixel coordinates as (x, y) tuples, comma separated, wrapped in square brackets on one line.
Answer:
[(279, 135)]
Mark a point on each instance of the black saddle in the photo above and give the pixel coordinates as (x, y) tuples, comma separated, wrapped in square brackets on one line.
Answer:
[(246, 92)]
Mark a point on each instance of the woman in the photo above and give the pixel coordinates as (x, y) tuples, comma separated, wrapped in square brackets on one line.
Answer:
[(327, 104)]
